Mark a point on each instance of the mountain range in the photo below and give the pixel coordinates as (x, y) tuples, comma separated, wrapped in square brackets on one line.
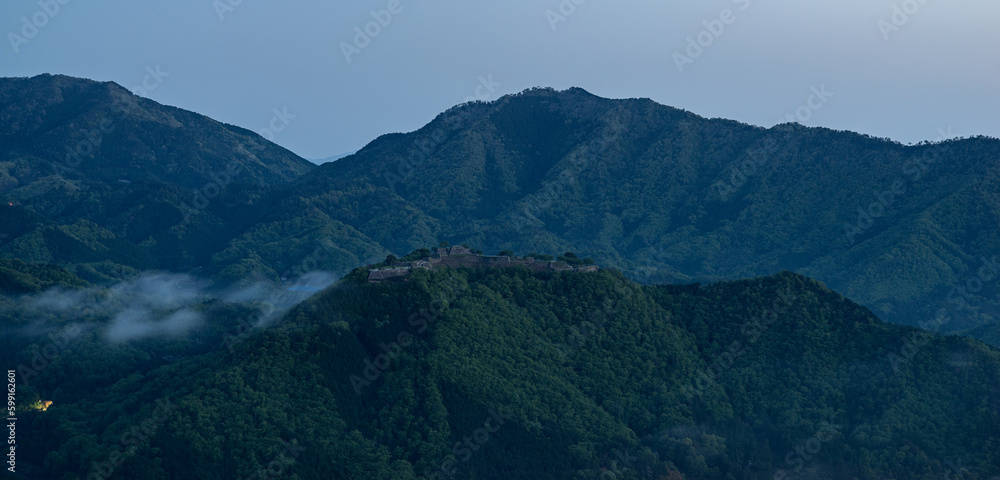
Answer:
[(104, 184), (181, 298)]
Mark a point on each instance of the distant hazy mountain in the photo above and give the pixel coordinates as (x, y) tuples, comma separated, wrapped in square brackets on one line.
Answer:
[(660, 193), (334, 158)]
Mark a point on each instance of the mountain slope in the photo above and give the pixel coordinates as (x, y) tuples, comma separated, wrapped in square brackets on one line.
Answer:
[(488, 372), (669, 196), (104, 183), (93, 131)]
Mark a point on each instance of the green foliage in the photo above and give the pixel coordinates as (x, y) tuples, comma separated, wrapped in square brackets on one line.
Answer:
[(416, 255), (20, 277), (659, 193), (572, 259), (667, 196), (575, 373), (728, 380)]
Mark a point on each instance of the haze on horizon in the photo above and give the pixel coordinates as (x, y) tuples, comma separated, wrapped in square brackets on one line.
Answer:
[(906, 70)]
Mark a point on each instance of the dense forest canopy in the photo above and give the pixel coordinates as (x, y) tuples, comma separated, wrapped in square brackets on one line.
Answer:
[(474, 373)]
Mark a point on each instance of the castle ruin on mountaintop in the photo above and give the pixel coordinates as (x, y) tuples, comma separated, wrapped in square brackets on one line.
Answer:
[(460, 256)]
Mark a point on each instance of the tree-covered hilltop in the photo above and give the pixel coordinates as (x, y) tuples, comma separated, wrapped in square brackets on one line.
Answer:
[(910, 231), (84, 131), (104, 183), (486, 373)]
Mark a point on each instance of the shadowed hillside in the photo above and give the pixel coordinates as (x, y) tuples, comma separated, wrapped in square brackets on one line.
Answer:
[(478, 373)]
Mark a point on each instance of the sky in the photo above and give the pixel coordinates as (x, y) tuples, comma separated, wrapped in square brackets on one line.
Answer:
[(323, 78)]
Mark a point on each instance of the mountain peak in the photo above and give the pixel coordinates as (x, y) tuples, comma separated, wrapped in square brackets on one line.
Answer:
[(82, 129)]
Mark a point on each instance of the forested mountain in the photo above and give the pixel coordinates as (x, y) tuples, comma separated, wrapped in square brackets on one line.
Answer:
[(668, 196), (105, 183), (86, 132), (483, 372), (506, 373), (661, 194)]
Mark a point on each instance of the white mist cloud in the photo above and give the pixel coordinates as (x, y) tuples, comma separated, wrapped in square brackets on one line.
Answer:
[(134, 324), (277, 301), (160, 304)]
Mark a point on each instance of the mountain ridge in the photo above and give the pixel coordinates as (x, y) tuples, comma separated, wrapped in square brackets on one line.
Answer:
[(660, 193), (885, 163), (498, 372)]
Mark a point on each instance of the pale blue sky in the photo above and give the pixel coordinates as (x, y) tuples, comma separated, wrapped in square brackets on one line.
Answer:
[(939, 66)]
